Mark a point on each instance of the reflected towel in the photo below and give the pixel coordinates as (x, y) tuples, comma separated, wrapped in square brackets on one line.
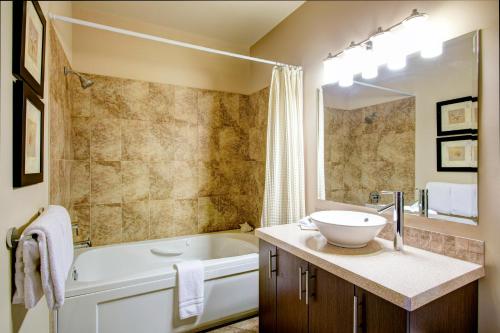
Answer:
[(52, 252), (464, 200), (190, 285), (440, 197)]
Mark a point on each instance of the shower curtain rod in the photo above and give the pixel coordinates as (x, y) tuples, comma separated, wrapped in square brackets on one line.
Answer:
[(162, 40)]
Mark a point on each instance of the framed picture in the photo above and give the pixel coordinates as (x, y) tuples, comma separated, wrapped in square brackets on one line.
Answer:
[(457, 116), (28, 48), (457, 153), (27, 136)]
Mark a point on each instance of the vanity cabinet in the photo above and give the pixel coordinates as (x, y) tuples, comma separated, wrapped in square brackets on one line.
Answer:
[(296, 296)]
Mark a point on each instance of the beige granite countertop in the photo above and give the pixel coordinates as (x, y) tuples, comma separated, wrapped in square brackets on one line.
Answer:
[(410, 278)]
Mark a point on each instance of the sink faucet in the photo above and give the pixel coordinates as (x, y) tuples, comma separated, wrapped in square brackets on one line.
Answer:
[(398, 216)]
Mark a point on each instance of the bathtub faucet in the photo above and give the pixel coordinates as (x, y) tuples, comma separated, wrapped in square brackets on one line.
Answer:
[(83, 244)]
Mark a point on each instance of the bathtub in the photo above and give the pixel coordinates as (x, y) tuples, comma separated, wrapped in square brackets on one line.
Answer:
[(130, 288)]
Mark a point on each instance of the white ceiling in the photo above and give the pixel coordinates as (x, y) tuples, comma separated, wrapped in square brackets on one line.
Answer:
[(241, 23)]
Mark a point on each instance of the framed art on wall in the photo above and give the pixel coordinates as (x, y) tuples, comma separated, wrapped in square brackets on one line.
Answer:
[(28, 44), (457, 153), (457, 116), (27, 136)]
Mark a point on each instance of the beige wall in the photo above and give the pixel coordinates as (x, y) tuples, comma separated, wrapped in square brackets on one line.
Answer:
[(106, 53), (317, 28)]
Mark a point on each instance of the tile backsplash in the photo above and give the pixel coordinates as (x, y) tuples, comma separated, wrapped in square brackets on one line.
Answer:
[(146, 160), (452, 246)]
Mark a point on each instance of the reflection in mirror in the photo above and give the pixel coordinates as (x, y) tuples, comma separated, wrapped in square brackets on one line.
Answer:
[(411, 130)]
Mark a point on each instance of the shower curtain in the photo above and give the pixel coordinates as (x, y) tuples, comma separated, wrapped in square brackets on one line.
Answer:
[(284, 198)]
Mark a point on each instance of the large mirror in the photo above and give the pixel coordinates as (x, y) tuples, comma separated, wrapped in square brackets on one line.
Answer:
[(411, 130)]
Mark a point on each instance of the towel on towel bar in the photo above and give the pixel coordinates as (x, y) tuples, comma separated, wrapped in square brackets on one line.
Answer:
[(52, 252), (190, 286)]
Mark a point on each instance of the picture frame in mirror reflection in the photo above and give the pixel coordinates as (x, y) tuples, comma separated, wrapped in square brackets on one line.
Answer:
[(457, 153), (457, 116)]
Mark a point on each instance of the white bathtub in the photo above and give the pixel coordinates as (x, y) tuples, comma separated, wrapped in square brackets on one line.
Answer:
[(126, 288)]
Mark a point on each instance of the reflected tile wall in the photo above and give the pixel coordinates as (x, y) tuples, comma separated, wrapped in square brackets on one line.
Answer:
[(157, 160), (370, 149)]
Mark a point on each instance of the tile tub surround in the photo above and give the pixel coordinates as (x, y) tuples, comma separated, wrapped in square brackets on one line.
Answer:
[(409, 278), (370, 149), (59, 117), (152, 160)]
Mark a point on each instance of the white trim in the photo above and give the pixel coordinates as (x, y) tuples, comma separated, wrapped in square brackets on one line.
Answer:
[(161, 39)]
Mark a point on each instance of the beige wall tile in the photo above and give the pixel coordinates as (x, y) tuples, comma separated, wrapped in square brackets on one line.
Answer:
[(185, 216), (209, 216), (106, 224), (106, 183), (135, 181), (80, 138), (106, 140), (186, 141), (136, 139), (136, 97), (185, 180), (161, 102), (135, 221), (80, 182), (106, 97), (161, 215), (162, 145), (161, 180), (209, 109), (186, 101)]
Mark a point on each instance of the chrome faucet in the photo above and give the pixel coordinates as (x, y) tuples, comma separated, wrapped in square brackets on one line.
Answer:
[(398, 217)]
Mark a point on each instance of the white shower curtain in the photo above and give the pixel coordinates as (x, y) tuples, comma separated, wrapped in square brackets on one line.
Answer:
[(284, 198)]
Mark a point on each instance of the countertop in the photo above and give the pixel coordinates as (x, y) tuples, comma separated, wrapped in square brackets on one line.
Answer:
[(410, 278)]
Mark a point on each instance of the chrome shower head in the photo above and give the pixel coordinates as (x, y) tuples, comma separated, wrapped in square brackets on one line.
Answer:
[(84, 82)]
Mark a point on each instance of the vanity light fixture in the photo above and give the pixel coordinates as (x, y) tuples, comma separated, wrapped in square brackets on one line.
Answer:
[(388, 47)]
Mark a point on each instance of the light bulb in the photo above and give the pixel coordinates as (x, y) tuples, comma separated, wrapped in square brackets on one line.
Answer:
[(397, 49), (346, 79), (353, 56), (331, 70)]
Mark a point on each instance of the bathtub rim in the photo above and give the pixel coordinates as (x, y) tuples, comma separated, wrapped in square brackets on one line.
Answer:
[(215, 268)]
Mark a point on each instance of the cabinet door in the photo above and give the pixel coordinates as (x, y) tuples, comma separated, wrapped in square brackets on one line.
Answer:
[(267, 287), (291, 305), (376, 315), (331, 302)]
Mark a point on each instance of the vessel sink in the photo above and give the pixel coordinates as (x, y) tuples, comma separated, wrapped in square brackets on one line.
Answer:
[(347, 228)]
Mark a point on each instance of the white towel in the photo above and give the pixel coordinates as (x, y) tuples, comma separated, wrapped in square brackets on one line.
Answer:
[(464, 200), (190, 286), (52, 252), (305, 223), (440, 197)]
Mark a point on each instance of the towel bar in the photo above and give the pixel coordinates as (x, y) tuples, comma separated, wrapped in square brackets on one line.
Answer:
[(14, 234)]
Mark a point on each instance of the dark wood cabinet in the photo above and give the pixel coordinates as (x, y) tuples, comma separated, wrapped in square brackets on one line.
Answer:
[(291, 306), (377, 315), (267, 287), (331, 302), (296, 296)]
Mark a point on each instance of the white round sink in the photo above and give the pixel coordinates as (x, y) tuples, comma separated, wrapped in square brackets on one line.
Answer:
[(347, 228)]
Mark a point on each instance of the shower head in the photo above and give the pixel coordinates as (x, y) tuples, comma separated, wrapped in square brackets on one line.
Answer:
[(84, 82)]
